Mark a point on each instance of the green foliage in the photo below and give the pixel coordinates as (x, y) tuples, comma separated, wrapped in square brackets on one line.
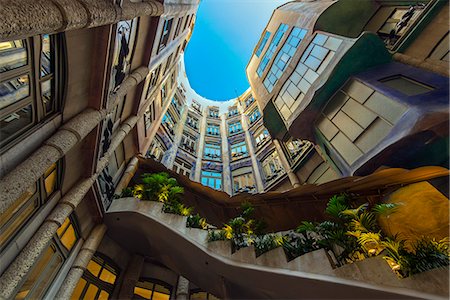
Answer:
[(196, 221), (216, 235), (176, 207), (336, 205), (295, 244), (267, 242), (383, 209)]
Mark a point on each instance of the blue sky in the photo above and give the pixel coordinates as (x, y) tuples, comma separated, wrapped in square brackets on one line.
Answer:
[(225, 34)]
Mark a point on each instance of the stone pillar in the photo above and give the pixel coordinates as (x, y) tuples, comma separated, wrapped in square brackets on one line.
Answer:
[(131, 277), (80, 264), (23, 263), (226, 173), (171, 154), (200, 146), (70, 134), (251, 152), (19, 17), (182, 289), (284, 161), (127, 175)]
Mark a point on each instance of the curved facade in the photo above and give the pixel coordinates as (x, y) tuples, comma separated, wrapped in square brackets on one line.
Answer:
[(95, 92)]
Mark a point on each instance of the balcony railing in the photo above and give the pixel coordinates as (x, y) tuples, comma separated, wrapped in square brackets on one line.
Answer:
[(240, 154), (246, 189), (274, 175), (212, 155)]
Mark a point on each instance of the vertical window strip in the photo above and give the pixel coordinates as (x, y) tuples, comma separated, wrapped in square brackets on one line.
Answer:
[(284, 57), (262, 43), (272, 48), (313, 62)]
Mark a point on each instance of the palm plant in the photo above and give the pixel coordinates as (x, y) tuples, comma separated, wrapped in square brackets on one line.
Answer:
[(196, 221)]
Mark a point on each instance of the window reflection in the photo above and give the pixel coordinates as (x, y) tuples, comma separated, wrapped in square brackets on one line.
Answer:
[(13, 55), (152, 290), (14, 90), (15, 122), (46, 56)]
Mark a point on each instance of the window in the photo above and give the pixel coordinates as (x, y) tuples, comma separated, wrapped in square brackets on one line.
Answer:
[(254, 116), (295, 148), (149, 116), (212, 151), (197, 107), (123, 49), (188, 19), (213, 179), (189, 143), (312, 63), (262, 43), (165, 34), (192, 122), (249, 101), (284, 57), (213, 129), (153, 80), (152, 289), (182, 167), (39, 279), (213, 113), (163, 94), (156, 149), (235, 127), (261, 137), (168, 62), (35, 197), (28, 95), (272, 48), (406, 85), (232, 111), (168, 123), (176, 104), (272, 167), (177, 29), (398, 23), (98, 280), (243, 182), (239, 150)]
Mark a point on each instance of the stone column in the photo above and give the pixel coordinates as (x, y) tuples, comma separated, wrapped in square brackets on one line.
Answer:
[(292, 177), (26, 259), (131, 277), (127, 175), (171, 153), (182, 289), (251, 152), (80, 264), (200, 146), (70, 134), (19, 17), (226, 173)]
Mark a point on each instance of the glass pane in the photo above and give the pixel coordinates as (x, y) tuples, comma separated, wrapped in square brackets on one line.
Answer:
[(13, 55), (94, 268), (78, 289), (15, 122), (63, 227), (160, 296), (91, 292), (50, 182), (47, 277), (37, 271), (11, 91), (69, 238), (46, 56), (47, 95), (103, 295), (107, 276), (18, 213), (142, 292)]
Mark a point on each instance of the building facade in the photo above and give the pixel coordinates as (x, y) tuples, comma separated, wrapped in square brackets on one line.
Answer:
[(97, 85)]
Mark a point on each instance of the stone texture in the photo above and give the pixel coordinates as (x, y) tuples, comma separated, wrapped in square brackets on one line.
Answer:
[(79, 265), (60, 213), (62, 141), (24, 262), (25, 18), (182, 288)]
